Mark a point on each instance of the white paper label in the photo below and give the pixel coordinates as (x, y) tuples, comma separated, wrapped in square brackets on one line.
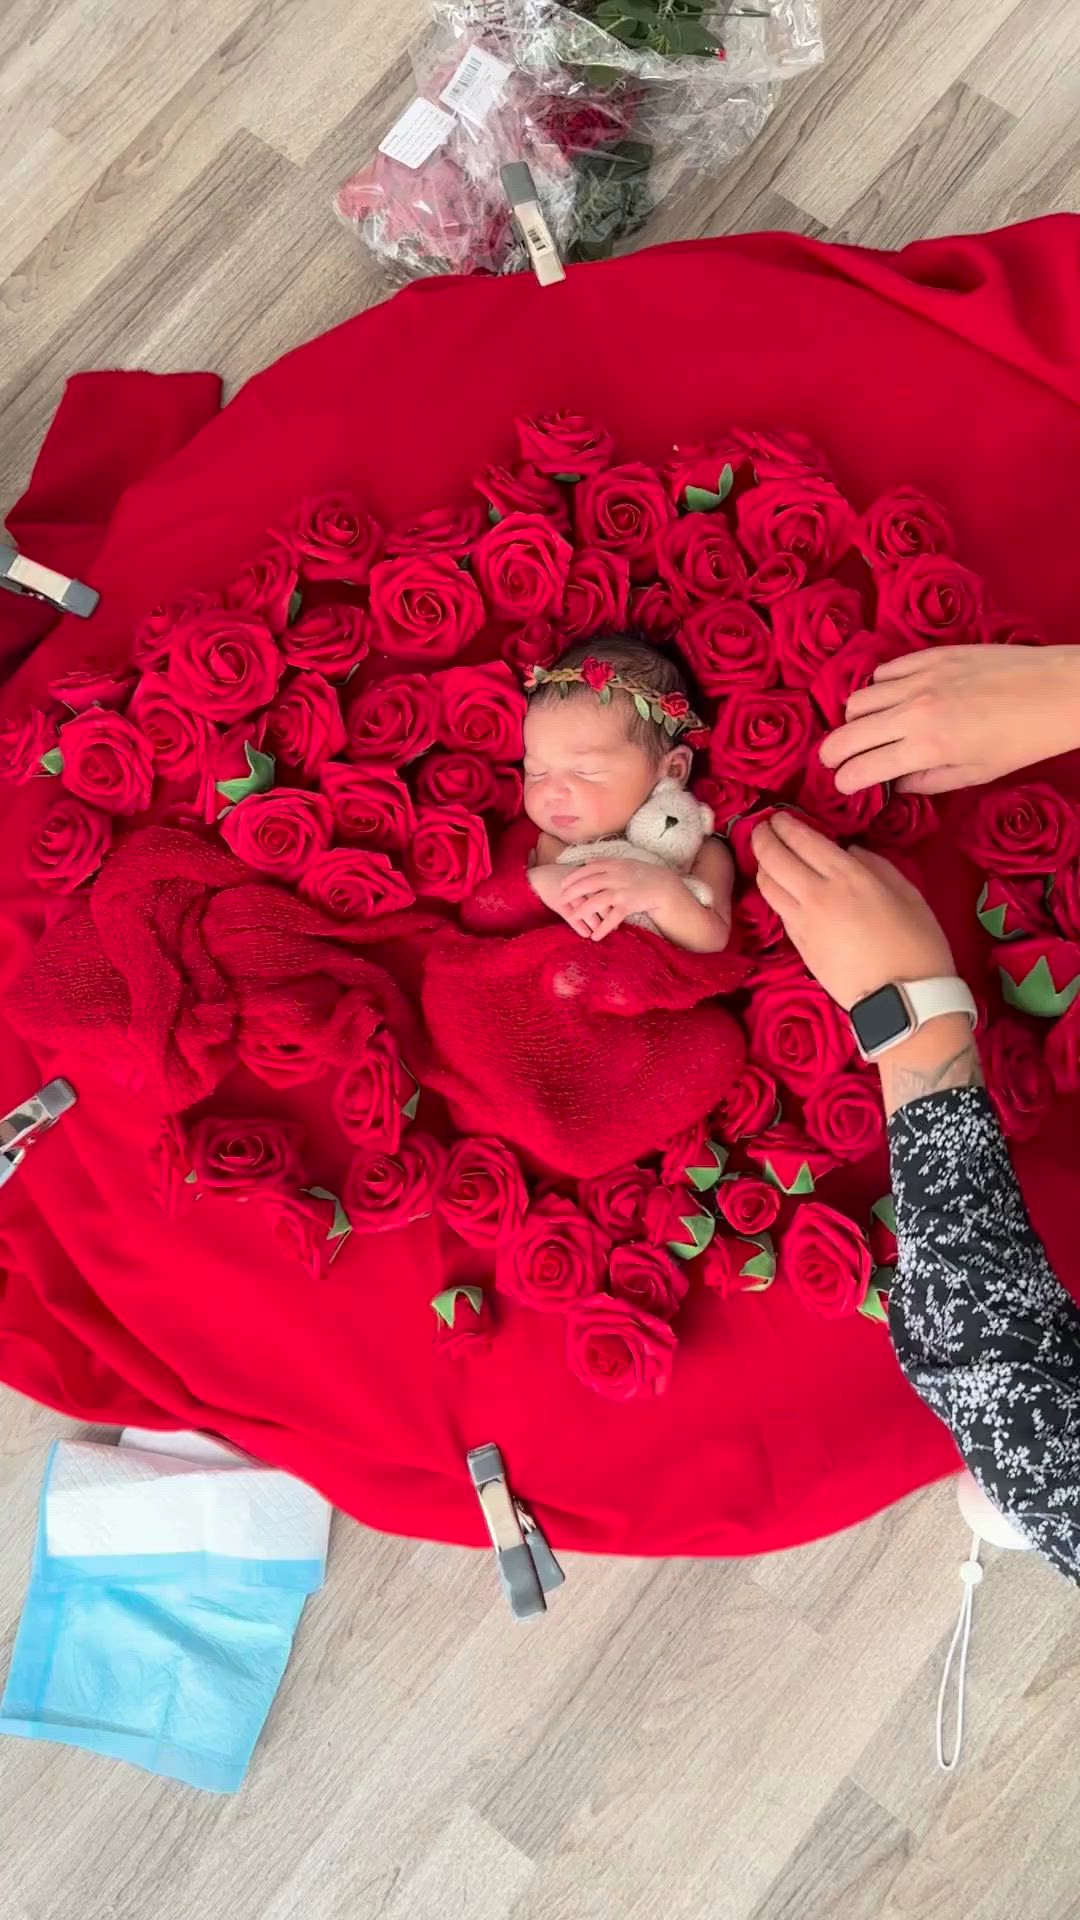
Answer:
[(413, 139), (476, 85)]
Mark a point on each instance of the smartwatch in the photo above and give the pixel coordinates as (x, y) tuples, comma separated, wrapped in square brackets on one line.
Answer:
[(897, 1011)]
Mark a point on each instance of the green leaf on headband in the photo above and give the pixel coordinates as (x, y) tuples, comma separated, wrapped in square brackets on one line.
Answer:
[(656, 713), (53, 761), (671, 725), (708, 1176), (258, 780), (409, 1109), (296, 601), (445, 1303), (642, 706), (727, 481), (569, 479), (340, 1225), (762, 1265), (700, 1228), (604, 696), (564, 689), (700, 500), (1036, 992)]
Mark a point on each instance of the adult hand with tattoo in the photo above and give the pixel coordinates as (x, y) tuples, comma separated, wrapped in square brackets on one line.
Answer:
[(859, 925)]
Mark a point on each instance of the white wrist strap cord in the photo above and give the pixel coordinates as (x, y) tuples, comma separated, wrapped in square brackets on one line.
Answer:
[(971, 1574)]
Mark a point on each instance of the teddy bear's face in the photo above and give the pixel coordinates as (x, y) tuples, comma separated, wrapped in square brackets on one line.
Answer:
[(671, 824)]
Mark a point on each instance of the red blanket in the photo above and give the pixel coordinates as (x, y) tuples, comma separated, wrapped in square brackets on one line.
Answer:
[(955, 366)]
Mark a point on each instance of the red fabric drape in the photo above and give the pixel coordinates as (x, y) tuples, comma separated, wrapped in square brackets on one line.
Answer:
[(954, 366)]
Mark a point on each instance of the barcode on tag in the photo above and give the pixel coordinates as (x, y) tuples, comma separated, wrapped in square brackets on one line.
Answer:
[(538, 238), (414, 137), (476, 85)]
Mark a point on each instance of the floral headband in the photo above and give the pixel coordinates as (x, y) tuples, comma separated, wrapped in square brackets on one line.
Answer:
[(672, 711)]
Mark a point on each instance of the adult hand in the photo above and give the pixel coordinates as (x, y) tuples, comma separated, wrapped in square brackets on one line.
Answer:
[(856, 921), (956, 717)]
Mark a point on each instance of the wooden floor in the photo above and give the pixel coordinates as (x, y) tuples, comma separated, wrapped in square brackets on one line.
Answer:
[(677, 1741)]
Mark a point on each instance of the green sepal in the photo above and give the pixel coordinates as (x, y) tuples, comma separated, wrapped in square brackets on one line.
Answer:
[(409, 1109), (257, 781), (885, 1211), (340, 1224), (642, 706), (727, 480), (1036, 992), (53, 761), (802, 1183), (762, 1267), (569, 479), (190, 1179), (494, 516), (703, 1179), (993, 918), (700, 1228), (444, 1302), (296, 601), (700, 500), (873, 1307)]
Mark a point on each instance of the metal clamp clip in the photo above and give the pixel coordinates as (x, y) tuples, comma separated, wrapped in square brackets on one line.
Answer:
[(21, 1127), (527, 1567), (20, 574)]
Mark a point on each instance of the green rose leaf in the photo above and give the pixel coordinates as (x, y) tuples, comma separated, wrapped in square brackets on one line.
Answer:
[(445, 1303), (296, 601), (700, 1228), (1036, 992), (53, 761), (258, 780), (706, 1177), (700, 500)]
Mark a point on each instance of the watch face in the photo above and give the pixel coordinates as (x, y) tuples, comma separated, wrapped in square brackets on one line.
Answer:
[(880, 1018)]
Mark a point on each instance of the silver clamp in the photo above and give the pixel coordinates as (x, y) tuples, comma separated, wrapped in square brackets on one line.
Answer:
[(526, 1565), (19, 574), (24, 1124)]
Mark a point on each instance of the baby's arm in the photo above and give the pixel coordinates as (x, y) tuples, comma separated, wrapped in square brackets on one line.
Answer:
[(606, 891), (546, 881)]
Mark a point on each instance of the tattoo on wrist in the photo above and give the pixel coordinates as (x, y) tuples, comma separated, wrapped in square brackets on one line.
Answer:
[(902, 1084)]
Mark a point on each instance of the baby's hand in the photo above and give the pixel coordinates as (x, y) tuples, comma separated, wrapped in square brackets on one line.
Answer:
[(604, 892), (547, 883)]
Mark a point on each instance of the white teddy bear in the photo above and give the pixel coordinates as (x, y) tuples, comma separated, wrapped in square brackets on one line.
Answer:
[(666, 831)]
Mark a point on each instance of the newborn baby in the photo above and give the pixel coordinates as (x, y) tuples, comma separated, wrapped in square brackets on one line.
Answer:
[(592, 757)]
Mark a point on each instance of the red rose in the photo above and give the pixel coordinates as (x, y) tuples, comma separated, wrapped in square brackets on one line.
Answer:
[(301, 1225), (597, 595), (521, 566), (687, 1149), (516, 490), (1062, 1053), (385, 1191), (239, 1157), (789, 1158), (180, 740), (91, 686), (1062, 898), (223, 664), (107, 761), (648, 1278), (783, 456), (330, 640), (884, 1251), (698, 558), (562, 443), (748, 1206), (449, 854), (597, 674), (537, 644), (425, 607), (457, 780), (335, 538), (778, 575), (749, 1105), (728, 646), (369, 1100), (760, 926), (845, 815), (845, 1114), (556, 1259), (371, 805), (392, 720), (740, 836), (152, 639), (727, 798), (352, 884), (674, 1219), (808, 518), (483, 1196), (625, 510), (304, 726), (1040, 975), (616, 1201), (825, 1260), (440, 530), (810, 626), (22, 743), (903, 525), (904, 820), (653, 612), (279, 832), (68, 844), (799, 1033), (932, 599), (1028, 829), (725, 1267), (481, 710), (266, 587), (1012, 904), (618, 1350), (169, 1167), (854, 666), (763, 738), (675, 705), (471, 1330), (701, 466), (1017, 1078)]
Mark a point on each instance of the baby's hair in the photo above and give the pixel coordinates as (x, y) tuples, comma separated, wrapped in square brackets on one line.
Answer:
[(638, 662)]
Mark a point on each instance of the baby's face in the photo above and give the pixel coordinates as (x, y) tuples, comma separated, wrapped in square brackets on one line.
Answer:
[(583, 777)]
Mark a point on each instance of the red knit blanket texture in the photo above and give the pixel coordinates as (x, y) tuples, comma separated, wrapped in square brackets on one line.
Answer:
[(265, 905)]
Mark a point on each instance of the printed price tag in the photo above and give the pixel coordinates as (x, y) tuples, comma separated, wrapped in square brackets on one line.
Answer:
[(415, 136), (476, 85)]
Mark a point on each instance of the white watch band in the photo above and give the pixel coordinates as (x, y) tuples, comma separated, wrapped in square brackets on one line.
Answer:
[(929, 998)]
